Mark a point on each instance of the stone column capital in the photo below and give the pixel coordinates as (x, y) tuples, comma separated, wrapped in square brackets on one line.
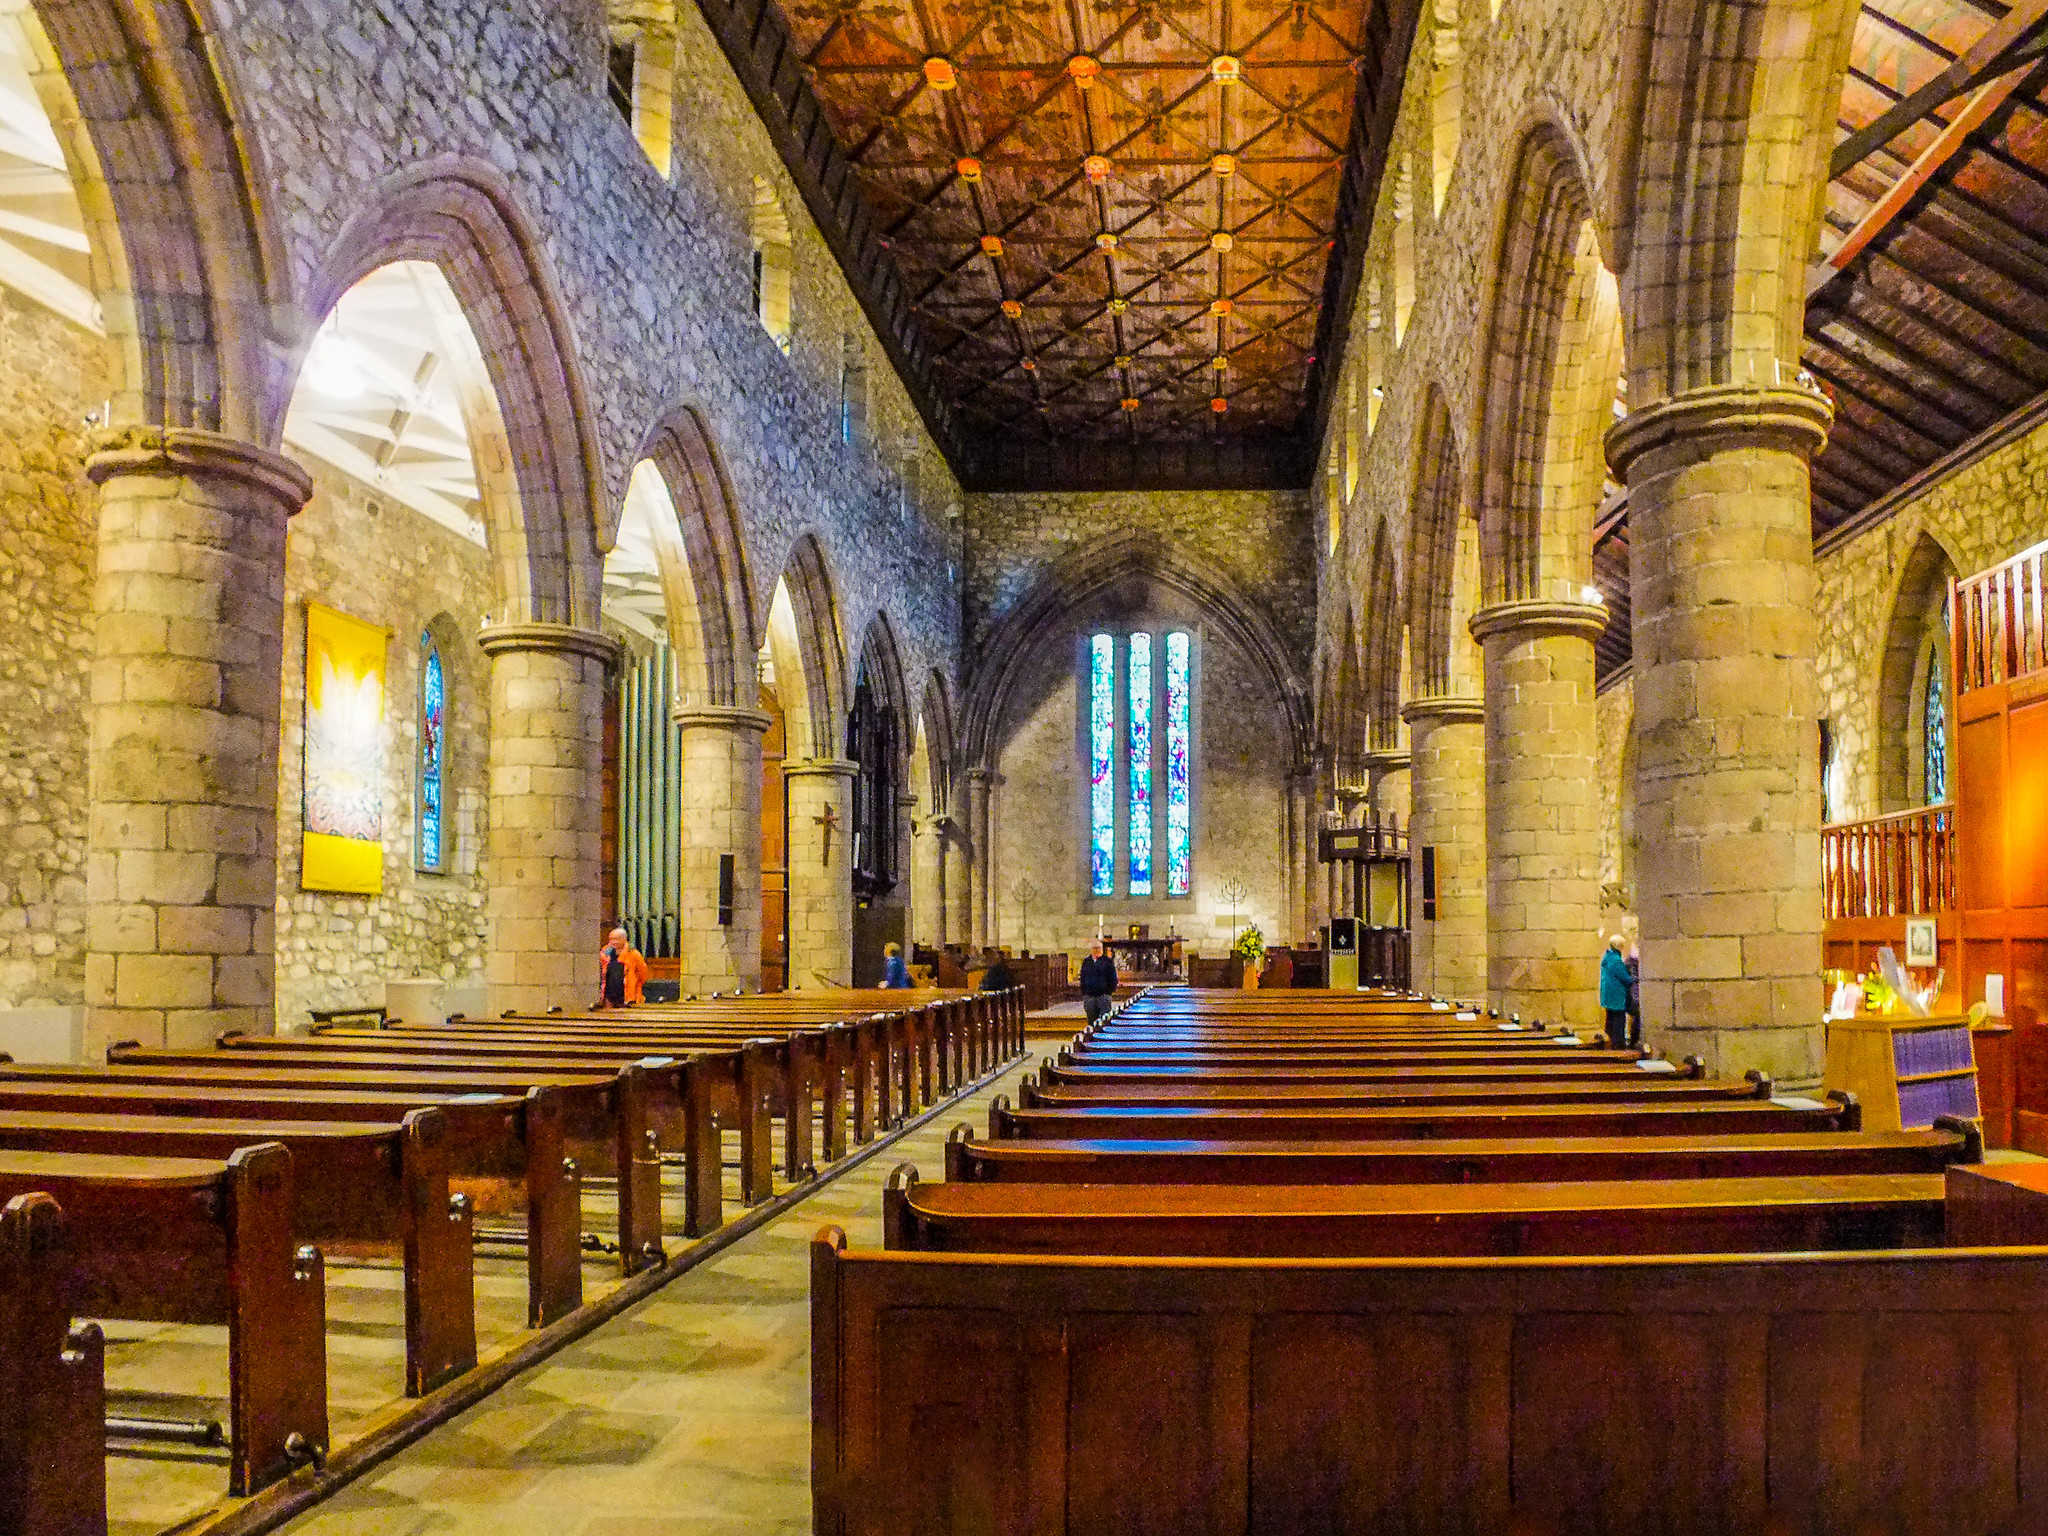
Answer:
[(549, 639), (144, 450), (820, 768), (1353, 794), (728, 718), (1445, 709), (984, 777), (1537, 619), (1388, 761), (1795, 419)]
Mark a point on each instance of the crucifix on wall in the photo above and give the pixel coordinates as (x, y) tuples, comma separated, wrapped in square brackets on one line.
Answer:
[(829, 821)]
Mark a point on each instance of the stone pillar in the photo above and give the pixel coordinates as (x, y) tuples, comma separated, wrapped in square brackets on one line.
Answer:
[(1389, 778), (1301, 844), (181, 844), (820, 871), (1447, 745), (957, 880), (981, 784), (1728, 766), (1542, 809), (721, 815), (544, 897), (928, 871)]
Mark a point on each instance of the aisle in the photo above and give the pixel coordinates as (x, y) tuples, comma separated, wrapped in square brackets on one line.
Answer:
[(687, 1416)]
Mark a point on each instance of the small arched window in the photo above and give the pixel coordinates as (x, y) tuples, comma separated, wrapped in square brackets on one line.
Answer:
[(1935, 726), (430, 829)]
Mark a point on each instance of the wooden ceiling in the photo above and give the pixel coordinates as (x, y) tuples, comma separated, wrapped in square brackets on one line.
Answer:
[(1927, 313), (1120, 225)]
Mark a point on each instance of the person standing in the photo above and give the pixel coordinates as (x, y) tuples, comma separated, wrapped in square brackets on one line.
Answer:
[(1635, 996), (1098, 982), (622, 972), (895, 974), (1614, 992)]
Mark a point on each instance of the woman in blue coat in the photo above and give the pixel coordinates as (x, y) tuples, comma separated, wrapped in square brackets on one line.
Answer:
[(1614, 980)]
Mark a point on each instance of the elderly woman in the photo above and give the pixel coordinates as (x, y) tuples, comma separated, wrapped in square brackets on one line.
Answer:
[(1614, 990)]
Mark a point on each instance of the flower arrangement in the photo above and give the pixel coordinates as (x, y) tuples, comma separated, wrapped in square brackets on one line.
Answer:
[(1251, 944)]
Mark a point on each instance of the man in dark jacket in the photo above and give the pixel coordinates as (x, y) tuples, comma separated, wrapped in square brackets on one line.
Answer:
[(1098, 982)]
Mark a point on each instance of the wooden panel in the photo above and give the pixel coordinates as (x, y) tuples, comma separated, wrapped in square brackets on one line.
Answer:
[(954, 1445), (1174, 1386), (1375, 1424), (1596, 1461), (2026, 806), (1980, 813)]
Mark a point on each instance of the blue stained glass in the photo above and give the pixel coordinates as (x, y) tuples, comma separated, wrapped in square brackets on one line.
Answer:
[(1936, 726), (1179, 723), (433, 725), (1102, 764), (1140, 684)]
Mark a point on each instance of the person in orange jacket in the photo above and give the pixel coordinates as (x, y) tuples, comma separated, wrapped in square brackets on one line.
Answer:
[(622, 971)]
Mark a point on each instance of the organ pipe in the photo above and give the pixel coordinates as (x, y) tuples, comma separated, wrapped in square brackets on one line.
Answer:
[(650, 881)]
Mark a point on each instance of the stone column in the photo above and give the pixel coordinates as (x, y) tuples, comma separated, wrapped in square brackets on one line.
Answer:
[(928, 866), (820, 871), (1542, 811), (181, 845), (981, 868), (721, 816), (956, 881), (1447, 744), (544, 896), (1389, 778), (1301, 843), (1728, 766)]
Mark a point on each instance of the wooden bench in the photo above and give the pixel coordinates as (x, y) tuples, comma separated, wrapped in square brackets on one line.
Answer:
[(609, 1117), (188, 1241), (1459, 1162), (505, 1152), (1443, 1122), (1747, 1214), (1085, 1071), (1895, 1392), (378, 1187), (1296, 1094), (53, 1462)]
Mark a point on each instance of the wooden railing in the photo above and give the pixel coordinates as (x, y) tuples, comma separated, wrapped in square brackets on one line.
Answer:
[(1903, 865), (2000, 621)]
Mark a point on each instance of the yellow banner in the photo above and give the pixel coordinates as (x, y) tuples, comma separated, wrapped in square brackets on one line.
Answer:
[(343, 846)]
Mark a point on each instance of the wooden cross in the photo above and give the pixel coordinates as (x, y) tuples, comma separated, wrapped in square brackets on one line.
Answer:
[(829, 821)]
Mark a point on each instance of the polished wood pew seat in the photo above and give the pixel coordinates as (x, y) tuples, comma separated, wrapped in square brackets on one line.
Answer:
[(185, 1240), (1410, 1121), (1288, 1093), (608, 1117), (53, 1464), (1085, 1073), (1374, 1056), (1814, 1393), (507, 1153), (374, 1188), (1459, 1162), (1744, 1214)]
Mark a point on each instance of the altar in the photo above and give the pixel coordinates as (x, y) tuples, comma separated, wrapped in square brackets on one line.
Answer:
[(1143, 960)]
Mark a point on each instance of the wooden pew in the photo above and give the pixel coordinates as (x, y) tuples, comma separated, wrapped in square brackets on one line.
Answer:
[(376, 1186), (1894, 1392), (1821, 1153), (1442, 1122), (188, 1241), (505, 1152), (1053, 1070), (53, 1464), (1746, 1214), (608, 1116), (1298, 1094)]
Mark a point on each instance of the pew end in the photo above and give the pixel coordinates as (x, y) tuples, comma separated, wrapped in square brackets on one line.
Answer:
[(999, 1117), (1696, 1066), (1761, 1081), (121, 1048), (958, 1140), (53, 1478), (1971, 1132), (897, 1215), (1852, 1113)]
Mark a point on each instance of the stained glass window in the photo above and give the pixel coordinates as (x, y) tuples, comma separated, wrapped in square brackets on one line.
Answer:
[(433, 734), (1102, 764), (1139, 675), (1179, 722), (1937, 729)]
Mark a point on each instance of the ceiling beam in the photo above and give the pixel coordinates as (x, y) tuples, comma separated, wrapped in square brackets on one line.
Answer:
[(2009, 42)]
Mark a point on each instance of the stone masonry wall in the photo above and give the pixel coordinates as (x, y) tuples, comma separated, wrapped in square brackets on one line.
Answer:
[(51, 375), (1979, 516), (1614, 714), (383, 563)]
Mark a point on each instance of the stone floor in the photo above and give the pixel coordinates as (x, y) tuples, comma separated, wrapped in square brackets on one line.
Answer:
[(687, 1416)]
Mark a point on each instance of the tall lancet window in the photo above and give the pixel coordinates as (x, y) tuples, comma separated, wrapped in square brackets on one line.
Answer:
[(430, 830), (1937, 728), (1139, 751)]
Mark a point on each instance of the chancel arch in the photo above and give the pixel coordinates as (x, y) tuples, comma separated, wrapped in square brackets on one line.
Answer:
[(879, 742)]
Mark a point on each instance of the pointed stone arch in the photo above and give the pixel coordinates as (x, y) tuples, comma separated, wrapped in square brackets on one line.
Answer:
[(1919, 602), (1082, 573), (1380, 646), (1434, 516), (941, 742), (706, 580), (462, 216), (808, 646), (173, 187)]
